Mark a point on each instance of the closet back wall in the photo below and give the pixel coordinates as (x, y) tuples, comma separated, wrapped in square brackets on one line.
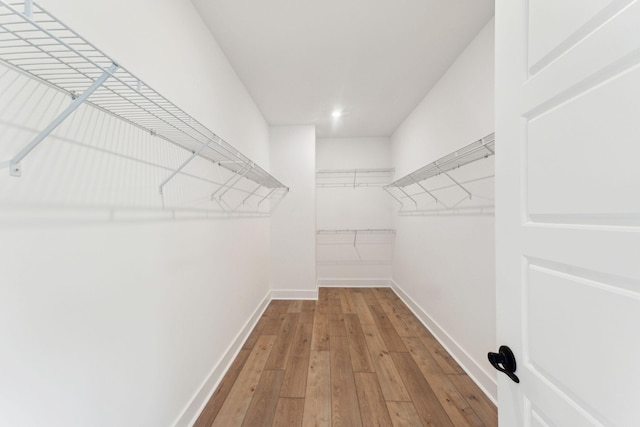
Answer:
[(363, 207), (445, 263), (119, 323)]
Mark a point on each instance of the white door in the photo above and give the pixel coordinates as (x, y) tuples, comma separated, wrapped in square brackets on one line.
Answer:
[(568, 210)]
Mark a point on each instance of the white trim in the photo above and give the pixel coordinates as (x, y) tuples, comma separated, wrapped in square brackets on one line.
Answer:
[(486, 383), (293, 294), (354, 283), (193, 409)]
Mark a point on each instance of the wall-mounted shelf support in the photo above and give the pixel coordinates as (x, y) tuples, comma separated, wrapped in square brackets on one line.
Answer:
[(14, 164), (455, 182), (391, 194), (183, 165), (267, 196), (248, 197), (426, 191), (407, 194), (235, 178)]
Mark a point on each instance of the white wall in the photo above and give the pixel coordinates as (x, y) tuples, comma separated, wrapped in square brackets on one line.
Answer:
[(293, 220), (119, 322), (445, 263), (354, 208)]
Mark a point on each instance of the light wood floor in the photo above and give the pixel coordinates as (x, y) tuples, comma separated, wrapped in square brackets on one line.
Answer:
[(356, 357)]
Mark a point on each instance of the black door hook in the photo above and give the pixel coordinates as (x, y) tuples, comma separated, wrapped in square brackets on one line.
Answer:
[(504, 361)]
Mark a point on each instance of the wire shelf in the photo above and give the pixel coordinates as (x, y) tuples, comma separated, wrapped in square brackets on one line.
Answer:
[(34, 42), (356, 236), (352, 178), (355, 246), (413, 187), (480, 149)]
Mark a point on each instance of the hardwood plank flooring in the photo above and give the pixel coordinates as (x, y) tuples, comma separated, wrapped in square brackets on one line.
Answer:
[(452, 401), (476, 398), (362, 309), (404, 414), (345, 410), (288, 413), (295, 379), (235, 407), (392, 386), (265, 398), (320, 337), (360, 358), (424, 399), (317, 403), (354, 357), (215, 403), (280, 353), (372, 406)]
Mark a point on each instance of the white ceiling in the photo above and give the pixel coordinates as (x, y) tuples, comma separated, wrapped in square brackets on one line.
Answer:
[(376, 59)]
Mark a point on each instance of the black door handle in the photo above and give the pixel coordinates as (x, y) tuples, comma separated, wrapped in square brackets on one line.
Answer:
[(504, 361)]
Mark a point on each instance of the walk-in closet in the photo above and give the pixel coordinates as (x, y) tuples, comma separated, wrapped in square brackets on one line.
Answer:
[(320, 213)]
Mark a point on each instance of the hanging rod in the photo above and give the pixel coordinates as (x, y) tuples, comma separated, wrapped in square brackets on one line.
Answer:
[(36, 43)]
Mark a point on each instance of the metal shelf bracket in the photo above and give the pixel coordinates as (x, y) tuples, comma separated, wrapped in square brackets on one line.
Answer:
[(265, 197), (407, 194), (237, 176), (427, 191), (454, 181), (14, 164), (391, 194), (183, 165), (248, 197)]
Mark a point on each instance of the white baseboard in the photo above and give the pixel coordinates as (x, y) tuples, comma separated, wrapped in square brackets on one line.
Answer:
[(354, 283), (204, 393), (486, 383), (293, 294)]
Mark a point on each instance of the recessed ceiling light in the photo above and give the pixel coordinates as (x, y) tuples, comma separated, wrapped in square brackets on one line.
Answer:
[(337, 113)]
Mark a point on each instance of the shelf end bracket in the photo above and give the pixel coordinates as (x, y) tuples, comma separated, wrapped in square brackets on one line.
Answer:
[(426, 191), (455, 182), (248, 197), (265, 197), (391, 194), (183, 165), (407, 194), (14, 164)]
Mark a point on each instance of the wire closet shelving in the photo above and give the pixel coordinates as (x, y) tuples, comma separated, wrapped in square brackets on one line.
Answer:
[(413, 186), (353, 178), (36, 43), (375, 240)]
